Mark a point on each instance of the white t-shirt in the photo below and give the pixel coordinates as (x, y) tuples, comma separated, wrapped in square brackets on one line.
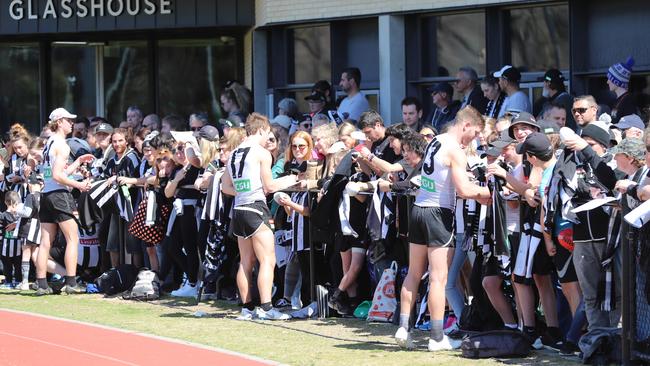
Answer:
[(518, 101), (353, 106)]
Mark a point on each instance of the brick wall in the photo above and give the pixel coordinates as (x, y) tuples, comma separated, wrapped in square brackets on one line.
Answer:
[(278, 11)]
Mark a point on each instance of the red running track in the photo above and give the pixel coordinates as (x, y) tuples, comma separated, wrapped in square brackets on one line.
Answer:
[(27, 339)]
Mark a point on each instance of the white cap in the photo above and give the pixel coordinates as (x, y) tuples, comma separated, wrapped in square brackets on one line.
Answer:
[(59, 113), (358, 135), (499, 73)]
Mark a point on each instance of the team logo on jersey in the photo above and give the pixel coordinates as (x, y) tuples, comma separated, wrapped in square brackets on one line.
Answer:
[(428, 185), (47, 172), (242, 185)]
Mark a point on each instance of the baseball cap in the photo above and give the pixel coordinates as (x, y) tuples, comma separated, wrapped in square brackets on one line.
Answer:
[(316, 96), (229, 123), (442, 87), (553, 76), (78, 147), (630, 146), (59, 113), (536, 144), (209, 133), (104, 128), (282, 120), (548, 127), (503, 140), (509, 73), (493, 151), (631, 120), (525, 118)]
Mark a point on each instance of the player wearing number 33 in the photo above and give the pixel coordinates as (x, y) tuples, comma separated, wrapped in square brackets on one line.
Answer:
[(431, 227), (249, 179)]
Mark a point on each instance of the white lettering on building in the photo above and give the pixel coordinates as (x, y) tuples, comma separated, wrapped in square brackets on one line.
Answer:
[(21, 9)]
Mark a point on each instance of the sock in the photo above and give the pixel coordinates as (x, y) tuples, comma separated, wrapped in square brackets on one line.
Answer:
[(554, 332), (266, 306), (70, 281), (249, 305), (404, 321), (24, 266), (511, 326), (436, 330), (42, 283)]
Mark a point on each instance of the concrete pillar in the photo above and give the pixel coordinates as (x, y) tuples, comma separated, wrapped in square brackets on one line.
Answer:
[(392, 71), (260, 72)]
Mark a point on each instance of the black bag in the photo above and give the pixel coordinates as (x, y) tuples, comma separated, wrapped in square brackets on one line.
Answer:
[(118, 279), (496, 343)]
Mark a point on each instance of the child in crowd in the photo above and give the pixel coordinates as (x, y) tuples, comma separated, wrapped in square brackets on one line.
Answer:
[(29, 227), (11, 248)]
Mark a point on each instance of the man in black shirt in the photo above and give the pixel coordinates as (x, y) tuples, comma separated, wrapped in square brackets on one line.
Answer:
[(373, 127), (618, 79)]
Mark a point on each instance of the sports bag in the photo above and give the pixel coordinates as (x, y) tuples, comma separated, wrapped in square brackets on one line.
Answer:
[(496, 343), (150, 234), (118, 279), (384, 302), (146, 287)]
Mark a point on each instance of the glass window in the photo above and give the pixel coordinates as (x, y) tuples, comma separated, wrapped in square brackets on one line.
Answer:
[(74, 79), (540, 37), (19, 99), (311, 54), (192, 72), (453, 41), (126, 79)]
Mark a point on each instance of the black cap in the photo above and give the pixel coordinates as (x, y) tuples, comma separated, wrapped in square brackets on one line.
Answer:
[(548, 127), (598, 134), (523, 117), (536, 144), (229, 123), (503, 140), (509, 73), (554, 76), (78, 147), (443, 87), (316, 96), (209, 133)]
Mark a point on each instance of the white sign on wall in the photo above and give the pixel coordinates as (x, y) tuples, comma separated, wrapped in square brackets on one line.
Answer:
[(28, 9)]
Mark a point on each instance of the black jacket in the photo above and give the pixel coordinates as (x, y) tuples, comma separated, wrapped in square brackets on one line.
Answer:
[(476, 100)]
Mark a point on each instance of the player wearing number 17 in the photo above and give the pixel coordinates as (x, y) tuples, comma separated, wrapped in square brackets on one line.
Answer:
[(249, 179), (431, 226)]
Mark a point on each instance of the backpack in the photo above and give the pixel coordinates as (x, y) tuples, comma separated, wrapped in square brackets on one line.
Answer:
[(146, 288), (496, 343), (118, 279)]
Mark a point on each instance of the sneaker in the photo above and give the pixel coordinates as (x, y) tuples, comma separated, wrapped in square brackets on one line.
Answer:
[(73, 290), (403, 338), (537, 344), (245, 314), (186, 291), (44, 291), (6, 286), (451, 329), (273, 314), (24, 286), (569, 348), (282, 303), (445, 344)]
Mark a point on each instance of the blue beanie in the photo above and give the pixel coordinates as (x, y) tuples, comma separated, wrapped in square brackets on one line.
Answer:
[(619, 74)]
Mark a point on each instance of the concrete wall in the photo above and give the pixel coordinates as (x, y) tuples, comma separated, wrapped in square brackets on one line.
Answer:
[(279, 11)]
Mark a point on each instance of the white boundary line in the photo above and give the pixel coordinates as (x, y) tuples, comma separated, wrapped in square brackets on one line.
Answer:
[(70, 348), (161, 338)]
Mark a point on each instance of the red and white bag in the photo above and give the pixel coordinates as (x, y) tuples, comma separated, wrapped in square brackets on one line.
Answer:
[(384, 302)]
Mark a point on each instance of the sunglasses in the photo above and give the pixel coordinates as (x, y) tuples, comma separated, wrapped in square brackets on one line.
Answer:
[(179, 149), (428, 135), (299, 147), (305, 125), (272, 140), (580, 110), (195, 128)]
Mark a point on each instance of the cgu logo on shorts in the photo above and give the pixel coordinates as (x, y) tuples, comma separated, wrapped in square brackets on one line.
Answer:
[(242, 185), (428, 184)]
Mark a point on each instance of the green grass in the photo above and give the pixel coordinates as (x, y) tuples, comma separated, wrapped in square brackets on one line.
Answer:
[(303, 342)]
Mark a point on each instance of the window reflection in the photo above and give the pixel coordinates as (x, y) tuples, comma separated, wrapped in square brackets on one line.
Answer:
[(311, 54), (126, 79), (191, 74), (453, 41), (540, 37), (74, 79), (19, 99)]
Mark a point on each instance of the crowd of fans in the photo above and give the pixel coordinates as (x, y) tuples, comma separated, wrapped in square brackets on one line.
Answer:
[(480, 194)]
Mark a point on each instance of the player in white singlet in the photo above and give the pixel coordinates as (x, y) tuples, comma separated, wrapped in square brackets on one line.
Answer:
[(431, 225), (249, 179)]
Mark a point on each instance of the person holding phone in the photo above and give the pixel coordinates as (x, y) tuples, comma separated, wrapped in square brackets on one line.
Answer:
[(57, 204)]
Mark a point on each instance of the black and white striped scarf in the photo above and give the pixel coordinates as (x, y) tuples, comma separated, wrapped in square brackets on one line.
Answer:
[(381, 213), (213, 206), (299, 223)]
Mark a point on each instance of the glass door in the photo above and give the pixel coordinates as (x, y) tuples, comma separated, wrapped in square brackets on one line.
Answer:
[(75, 71)]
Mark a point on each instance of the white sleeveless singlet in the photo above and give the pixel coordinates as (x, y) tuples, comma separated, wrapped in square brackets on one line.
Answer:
[(49, 184), (246, 176), (436, 189)]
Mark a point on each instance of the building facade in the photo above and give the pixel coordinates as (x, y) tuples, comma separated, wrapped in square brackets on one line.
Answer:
[(97, 57)]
